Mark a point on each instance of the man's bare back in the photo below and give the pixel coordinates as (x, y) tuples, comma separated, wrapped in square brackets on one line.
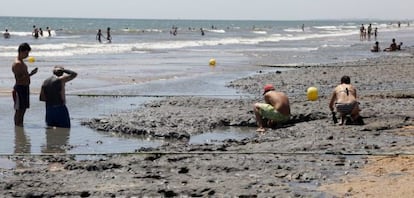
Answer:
[(279, 101)]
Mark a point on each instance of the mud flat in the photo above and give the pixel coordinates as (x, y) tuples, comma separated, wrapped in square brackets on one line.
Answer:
[(309, 157)]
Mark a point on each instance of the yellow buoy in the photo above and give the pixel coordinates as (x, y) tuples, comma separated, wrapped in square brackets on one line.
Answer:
[(212, 62), (312, 93), (31, 59)]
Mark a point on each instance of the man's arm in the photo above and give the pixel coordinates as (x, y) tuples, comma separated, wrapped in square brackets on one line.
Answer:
[(355, 92), (71, 75), (42, 96), (34, 71)]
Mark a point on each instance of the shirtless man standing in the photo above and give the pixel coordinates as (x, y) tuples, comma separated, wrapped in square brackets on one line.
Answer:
[(21, 92), (276, 108), (344, 98), (53, 93)]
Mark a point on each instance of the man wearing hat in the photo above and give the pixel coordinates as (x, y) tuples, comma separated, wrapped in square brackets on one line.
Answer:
[(276, 108)]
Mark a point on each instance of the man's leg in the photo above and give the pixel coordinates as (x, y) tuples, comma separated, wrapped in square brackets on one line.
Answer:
[(259, 120), (18, 117)]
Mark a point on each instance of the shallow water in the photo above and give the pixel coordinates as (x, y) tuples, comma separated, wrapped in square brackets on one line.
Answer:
[(223, 133), (35, 138)]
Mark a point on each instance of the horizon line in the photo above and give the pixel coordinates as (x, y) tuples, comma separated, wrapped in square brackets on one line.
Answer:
[(213, 19)]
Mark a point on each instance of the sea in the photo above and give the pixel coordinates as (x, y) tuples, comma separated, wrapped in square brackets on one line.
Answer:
[(152, 59)]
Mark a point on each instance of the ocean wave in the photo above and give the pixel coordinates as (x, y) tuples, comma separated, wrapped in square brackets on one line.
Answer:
[(217, 31), (293, 30), (259, 32)]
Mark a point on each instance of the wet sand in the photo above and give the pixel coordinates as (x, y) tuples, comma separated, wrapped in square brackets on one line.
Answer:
[(309, 157)]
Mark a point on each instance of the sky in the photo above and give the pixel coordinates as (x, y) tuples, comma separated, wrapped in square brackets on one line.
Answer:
[(213, 9)]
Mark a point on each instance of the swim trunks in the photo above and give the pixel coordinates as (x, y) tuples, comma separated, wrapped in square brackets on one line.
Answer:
[(269, 112), (57, 116), (345, 108), (21, 94)]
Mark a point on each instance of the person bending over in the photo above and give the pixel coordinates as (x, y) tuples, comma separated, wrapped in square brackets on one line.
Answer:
[(53, 93), (276, 108), (344, 99)]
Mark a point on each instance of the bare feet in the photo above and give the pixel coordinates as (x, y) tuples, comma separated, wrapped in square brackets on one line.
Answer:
[(261, 130)]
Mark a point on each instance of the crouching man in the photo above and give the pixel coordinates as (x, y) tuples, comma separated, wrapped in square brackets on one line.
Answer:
[(276, 108)]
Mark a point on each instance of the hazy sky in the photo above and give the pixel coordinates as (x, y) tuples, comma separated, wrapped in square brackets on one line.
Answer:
[(214, 9)]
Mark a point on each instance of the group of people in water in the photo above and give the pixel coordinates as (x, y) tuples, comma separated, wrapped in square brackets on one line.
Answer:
[(366, 33), (108, 37), (38, 32)]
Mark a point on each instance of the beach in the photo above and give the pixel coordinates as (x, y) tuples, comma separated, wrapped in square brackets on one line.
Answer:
[(309, 157)]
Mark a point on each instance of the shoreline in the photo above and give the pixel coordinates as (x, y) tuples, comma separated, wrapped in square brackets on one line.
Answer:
[(295, 160)]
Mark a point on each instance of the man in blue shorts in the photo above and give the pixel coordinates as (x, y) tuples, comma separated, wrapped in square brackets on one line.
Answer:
[(53, 93), (21, 91), (276, 108)]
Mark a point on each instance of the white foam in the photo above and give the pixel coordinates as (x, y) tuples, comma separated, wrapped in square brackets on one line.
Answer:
[(217, 31)]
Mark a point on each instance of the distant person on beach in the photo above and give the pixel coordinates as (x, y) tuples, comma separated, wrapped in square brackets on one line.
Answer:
[(376, 47), (35, 32), (108, 35), (41, 32), (393, 46), (53, 93), (344, 99), (369, 31), (21, 91), (49, 34), (202, 32), (6, 34), (375, 33), (99, 36), (303, 27), (276, 108), (361, 32)]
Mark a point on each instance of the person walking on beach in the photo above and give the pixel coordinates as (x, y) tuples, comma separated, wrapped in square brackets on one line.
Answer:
[(276, 108), (344, 99), (21, 91), (108, 35), (375, 33), (99, 35), (53, 93)]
